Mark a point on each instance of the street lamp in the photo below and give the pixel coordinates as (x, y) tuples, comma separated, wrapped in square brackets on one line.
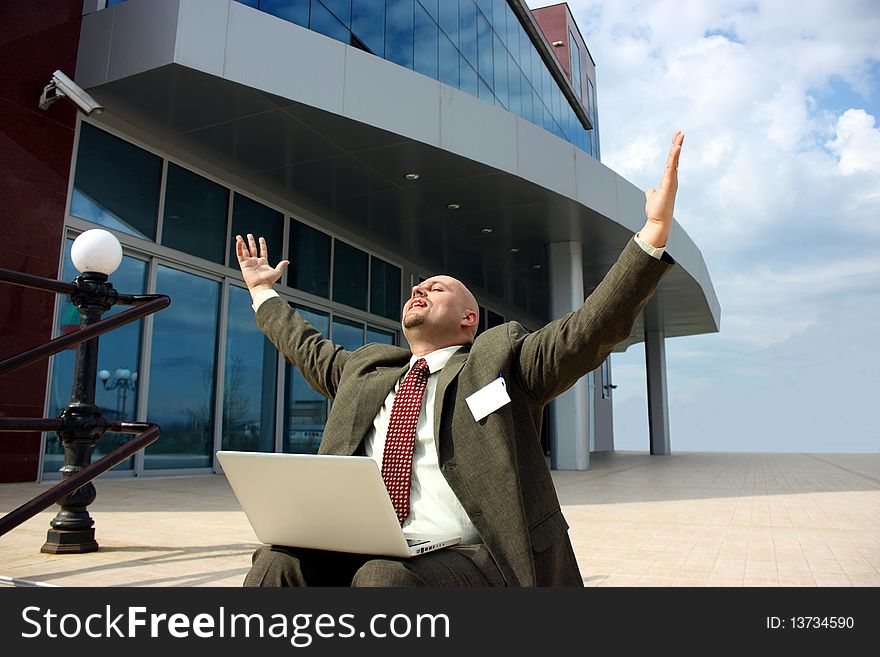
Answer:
[(123, 380), (96, 254)]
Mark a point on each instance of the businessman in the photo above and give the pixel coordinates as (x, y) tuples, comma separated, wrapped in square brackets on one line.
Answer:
[(447, 470)]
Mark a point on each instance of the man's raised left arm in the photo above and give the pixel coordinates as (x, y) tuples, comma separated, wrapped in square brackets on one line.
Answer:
[(554, 357)]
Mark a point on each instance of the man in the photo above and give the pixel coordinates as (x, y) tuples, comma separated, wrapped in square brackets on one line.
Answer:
[(485, 480)]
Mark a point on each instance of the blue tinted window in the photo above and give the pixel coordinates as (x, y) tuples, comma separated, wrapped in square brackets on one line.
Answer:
[(399, 32), (575, 53), (556, 97), (384, 289), (448, 11), (341, 9), (249, 389), (368, 24), (350, 275), (467, 30), (525, 54), (309, 255), (182, 372), (501, 87), (295, 11), (514, 91), (306, 410), (324, 22), (513, 30), (248, 216), (431, 7), (378, 335), (499, 18), (116, 184), (468, 77), (484, 50), (195, 214), (486, 7), (537, 66), (527, 95), (448, 62), (484, 92), (426, 45), (348, 334)]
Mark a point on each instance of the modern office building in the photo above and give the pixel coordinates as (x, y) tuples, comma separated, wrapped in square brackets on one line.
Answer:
[(373, 143)]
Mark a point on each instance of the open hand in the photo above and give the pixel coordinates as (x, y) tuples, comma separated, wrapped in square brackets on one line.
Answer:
[(255, 269), (661, 202)]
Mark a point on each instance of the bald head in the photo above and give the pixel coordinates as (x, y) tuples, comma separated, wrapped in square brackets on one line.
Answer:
[(441, 312)]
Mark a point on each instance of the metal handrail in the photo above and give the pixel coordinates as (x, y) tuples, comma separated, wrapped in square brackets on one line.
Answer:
[(147, 434), (146, 305), (80, 425)]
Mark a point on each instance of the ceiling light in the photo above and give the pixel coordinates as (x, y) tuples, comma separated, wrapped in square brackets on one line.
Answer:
[(515, 250), (536, 266), (454, 206), (412, 176)]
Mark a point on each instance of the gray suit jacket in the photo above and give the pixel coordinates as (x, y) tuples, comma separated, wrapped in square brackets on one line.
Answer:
[(495, 466)]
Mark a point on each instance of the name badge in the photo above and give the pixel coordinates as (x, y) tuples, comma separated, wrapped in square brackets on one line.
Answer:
[(488, 399)]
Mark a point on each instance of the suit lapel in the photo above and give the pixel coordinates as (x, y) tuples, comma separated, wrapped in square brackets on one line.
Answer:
[(376, 386), (447, 375)]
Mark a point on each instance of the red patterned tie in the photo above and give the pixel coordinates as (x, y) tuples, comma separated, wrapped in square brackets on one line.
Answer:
[(398, 454)]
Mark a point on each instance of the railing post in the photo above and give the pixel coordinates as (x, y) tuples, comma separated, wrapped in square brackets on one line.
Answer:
[(72, 530)]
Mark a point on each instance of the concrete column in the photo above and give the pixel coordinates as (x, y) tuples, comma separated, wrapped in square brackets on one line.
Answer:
[(569, 426), (655, 364)]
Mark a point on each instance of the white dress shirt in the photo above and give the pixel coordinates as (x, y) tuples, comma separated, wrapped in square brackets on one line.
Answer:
[(434, 508)]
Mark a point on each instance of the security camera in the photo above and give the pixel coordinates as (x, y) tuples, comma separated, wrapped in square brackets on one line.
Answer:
[(61, 86)]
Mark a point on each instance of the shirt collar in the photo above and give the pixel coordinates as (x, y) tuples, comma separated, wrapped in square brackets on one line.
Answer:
[(437, 359)]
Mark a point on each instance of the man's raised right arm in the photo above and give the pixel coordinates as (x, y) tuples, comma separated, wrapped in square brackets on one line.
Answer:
[(320, 361)]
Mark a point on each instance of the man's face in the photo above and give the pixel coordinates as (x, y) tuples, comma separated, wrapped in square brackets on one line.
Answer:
[(437, 305)]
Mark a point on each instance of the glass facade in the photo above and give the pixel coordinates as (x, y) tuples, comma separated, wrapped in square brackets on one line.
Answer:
[(477, 46), (575, 64), (116, 184), (306, 410), (309, 268), (250, 376), (194, 220), (183, 370), (350, 275), (211, 379)]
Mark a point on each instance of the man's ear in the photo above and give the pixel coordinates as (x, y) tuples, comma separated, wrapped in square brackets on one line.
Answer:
[(470, 318)]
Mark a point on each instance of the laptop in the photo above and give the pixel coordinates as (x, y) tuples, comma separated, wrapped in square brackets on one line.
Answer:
[(336, 503)]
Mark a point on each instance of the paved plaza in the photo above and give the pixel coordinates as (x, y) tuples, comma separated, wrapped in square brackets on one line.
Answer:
[(690, 519)]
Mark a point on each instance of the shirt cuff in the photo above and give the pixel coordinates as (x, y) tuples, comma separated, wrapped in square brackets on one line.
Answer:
[(261, 296), (655, 251)]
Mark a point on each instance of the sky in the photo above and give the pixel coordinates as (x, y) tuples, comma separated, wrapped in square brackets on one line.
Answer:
[(780, 189)]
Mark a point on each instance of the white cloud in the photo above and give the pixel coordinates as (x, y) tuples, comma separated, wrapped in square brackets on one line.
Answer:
[(856, 143)]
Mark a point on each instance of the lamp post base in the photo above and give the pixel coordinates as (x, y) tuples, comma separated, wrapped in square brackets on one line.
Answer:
[(70, 541)]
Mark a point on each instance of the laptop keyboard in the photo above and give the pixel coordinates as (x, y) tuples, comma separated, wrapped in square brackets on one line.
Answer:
[(412, 542)]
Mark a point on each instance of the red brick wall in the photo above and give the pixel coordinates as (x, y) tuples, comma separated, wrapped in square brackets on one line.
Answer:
[(554, 23), (35, 150)]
